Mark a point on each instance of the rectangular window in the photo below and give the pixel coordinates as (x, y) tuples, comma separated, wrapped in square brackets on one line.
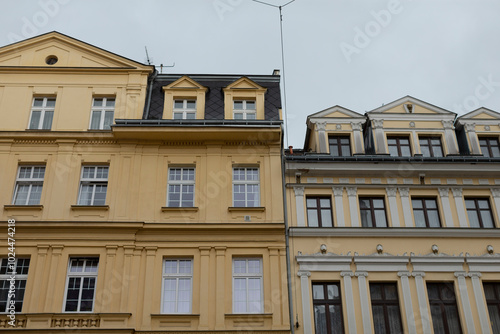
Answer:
[(492, 294), (244, 109), (103, 110), (247, 286), (425, 212), (431, 146), (177, 286), (444, 311), (385, 308), (93, 185), (180, 187), (479, 212), (372, 212), (184, 109), (42, 113), (246, 188), (80, 285), (340, 146), (319, 212), (399, 146), (327, 308), (489, 147), (20, 267), (29, 185)]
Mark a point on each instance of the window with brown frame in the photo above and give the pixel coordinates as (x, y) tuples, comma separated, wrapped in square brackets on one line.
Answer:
[(385, 308), (431, 146), (319, 212), (399, 146), (479, 212), (444, 310), (425, 212), (492, 294), (340, 146), (372, 211), (327, 305), (489, 147)]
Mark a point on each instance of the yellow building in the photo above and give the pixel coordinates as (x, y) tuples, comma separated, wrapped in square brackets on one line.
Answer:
[(394, 221), (141, 202)]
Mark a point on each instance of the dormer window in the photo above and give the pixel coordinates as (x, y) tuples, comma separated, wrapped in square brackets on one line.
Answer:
[(184, 109), (244, 109), (431, 147)]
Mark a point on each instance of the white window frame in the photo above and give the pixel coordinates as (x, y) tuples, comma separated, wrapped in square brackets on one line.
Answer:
[(19, 277), (31, 181), (245, 112), (177, 276), (247, 182), (182, 183), (43, 110), (82, 275), (184, 110), (93, 182), (247, 276), (102, 110)]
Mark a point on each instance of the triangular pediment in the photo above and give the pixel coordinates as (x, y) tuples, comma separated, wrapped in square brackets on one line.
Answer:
[(410, 105), (184, 82), (63, 51), (336, 112), (481, 114), (245, 83)]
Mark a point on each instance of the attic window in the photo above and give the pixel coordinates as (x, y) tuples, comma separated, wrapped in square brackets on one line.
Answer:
[(409, 108), (51, 60)]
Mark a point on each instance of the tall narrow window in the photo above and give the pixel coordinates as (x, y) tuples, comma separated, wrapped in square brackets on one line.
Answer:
[(492, 294), (385, 308), (180, 187), (425, 212), (80, 285), (327, 308), (184, 109), (372, 212), (247, 286), (93, 185), (177, 286), (319, 212), (399, 146), (29, 185), (489, 147), (42, 113), (20, 267), (103, 110), (340, 146), (444, 309), (244, 109), (431, 146), (479, 212), (246, 188)]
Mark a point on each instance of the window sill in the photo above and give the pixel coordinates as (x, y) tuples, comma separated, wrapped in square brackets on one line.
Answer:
[(244, 208), (90, 207), (175, 315), (177, 208), (248, 315), (23, 207)]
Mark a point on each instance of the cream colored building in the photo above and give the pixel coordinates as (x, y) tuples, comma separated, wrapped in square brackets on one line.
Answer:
[(394, 221), (143, 202)]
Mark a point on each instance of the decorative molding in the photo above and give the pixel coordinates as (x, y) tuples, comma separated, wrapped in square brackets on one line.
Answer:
[(495, 192), (346, 273), (474, 274), (486, 128), (443, 192), (448, 124), (470, 127), (404, 274), (391, 191), (356, 126), (412, 124), (351, 191), (418, 274), (457, 192), (361, 274), (461, 274), (320, 126), (303, 273), (299, 191), (338, 191), (378, 123), (338, 126), (404, 192)]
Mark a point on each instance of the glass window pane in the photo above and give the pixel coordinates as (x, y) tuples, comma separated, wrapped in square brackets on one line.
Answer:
[(320, 319), (473, 218), (178, 104), (108, 120), (38, 102), (486, 218), (380, 219), (378, 319), (96, 120), (433, 219), (405, 151), (47, 120), (312, 218), (417, 204), (333, 291), (318, 292), (191, 104), (238, 105), (326, 218), (336, 319), (35, 119)]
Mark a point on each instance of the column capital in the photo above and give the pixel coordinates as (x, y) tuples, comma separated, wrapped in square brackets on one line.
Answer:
[(404, 274), (57, 249), (303, 273), (470, 127), (111, 250), (320, 126), (457, 192), (391, 191), (361, 274), (338, 191), (448, 124), (495, 192), (443, 191), (460, 274), (378, 123), (220, 251), (473, 274), (299, 191), (346, 273), (42, 249), (404, 192), (351, 191), (356, 126), (151, 250), (418, 274)]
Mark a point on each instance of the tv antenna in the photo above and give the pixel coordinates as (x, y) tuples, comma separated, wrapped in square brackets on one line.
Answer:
[(149, 61)]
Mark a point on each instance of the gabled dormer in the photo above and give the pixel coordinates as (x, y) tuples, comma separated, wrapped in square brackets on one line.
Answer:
[(479, 132), (412, 127), (244, 99), (184, 99), (335, 130)]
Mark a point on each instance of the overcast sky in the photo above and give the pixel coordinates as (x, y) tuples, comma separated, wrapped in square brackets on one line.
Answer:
[(359, 54)]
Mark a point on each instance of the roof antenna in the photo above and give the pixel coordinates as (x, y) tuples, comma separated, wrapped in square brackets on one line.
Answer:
[(150, 62)]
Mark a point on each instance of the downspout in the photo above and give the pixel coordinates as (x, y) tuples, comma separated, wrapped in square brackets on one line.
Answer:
[(148, 103), (287, 245)]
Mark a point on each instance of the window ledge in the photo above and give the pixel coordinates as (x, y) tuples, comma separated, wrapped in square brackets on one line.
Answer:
[(90, 207), (175, 315), (249, 315), (177, 208), (23, 207), (244, 208)]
